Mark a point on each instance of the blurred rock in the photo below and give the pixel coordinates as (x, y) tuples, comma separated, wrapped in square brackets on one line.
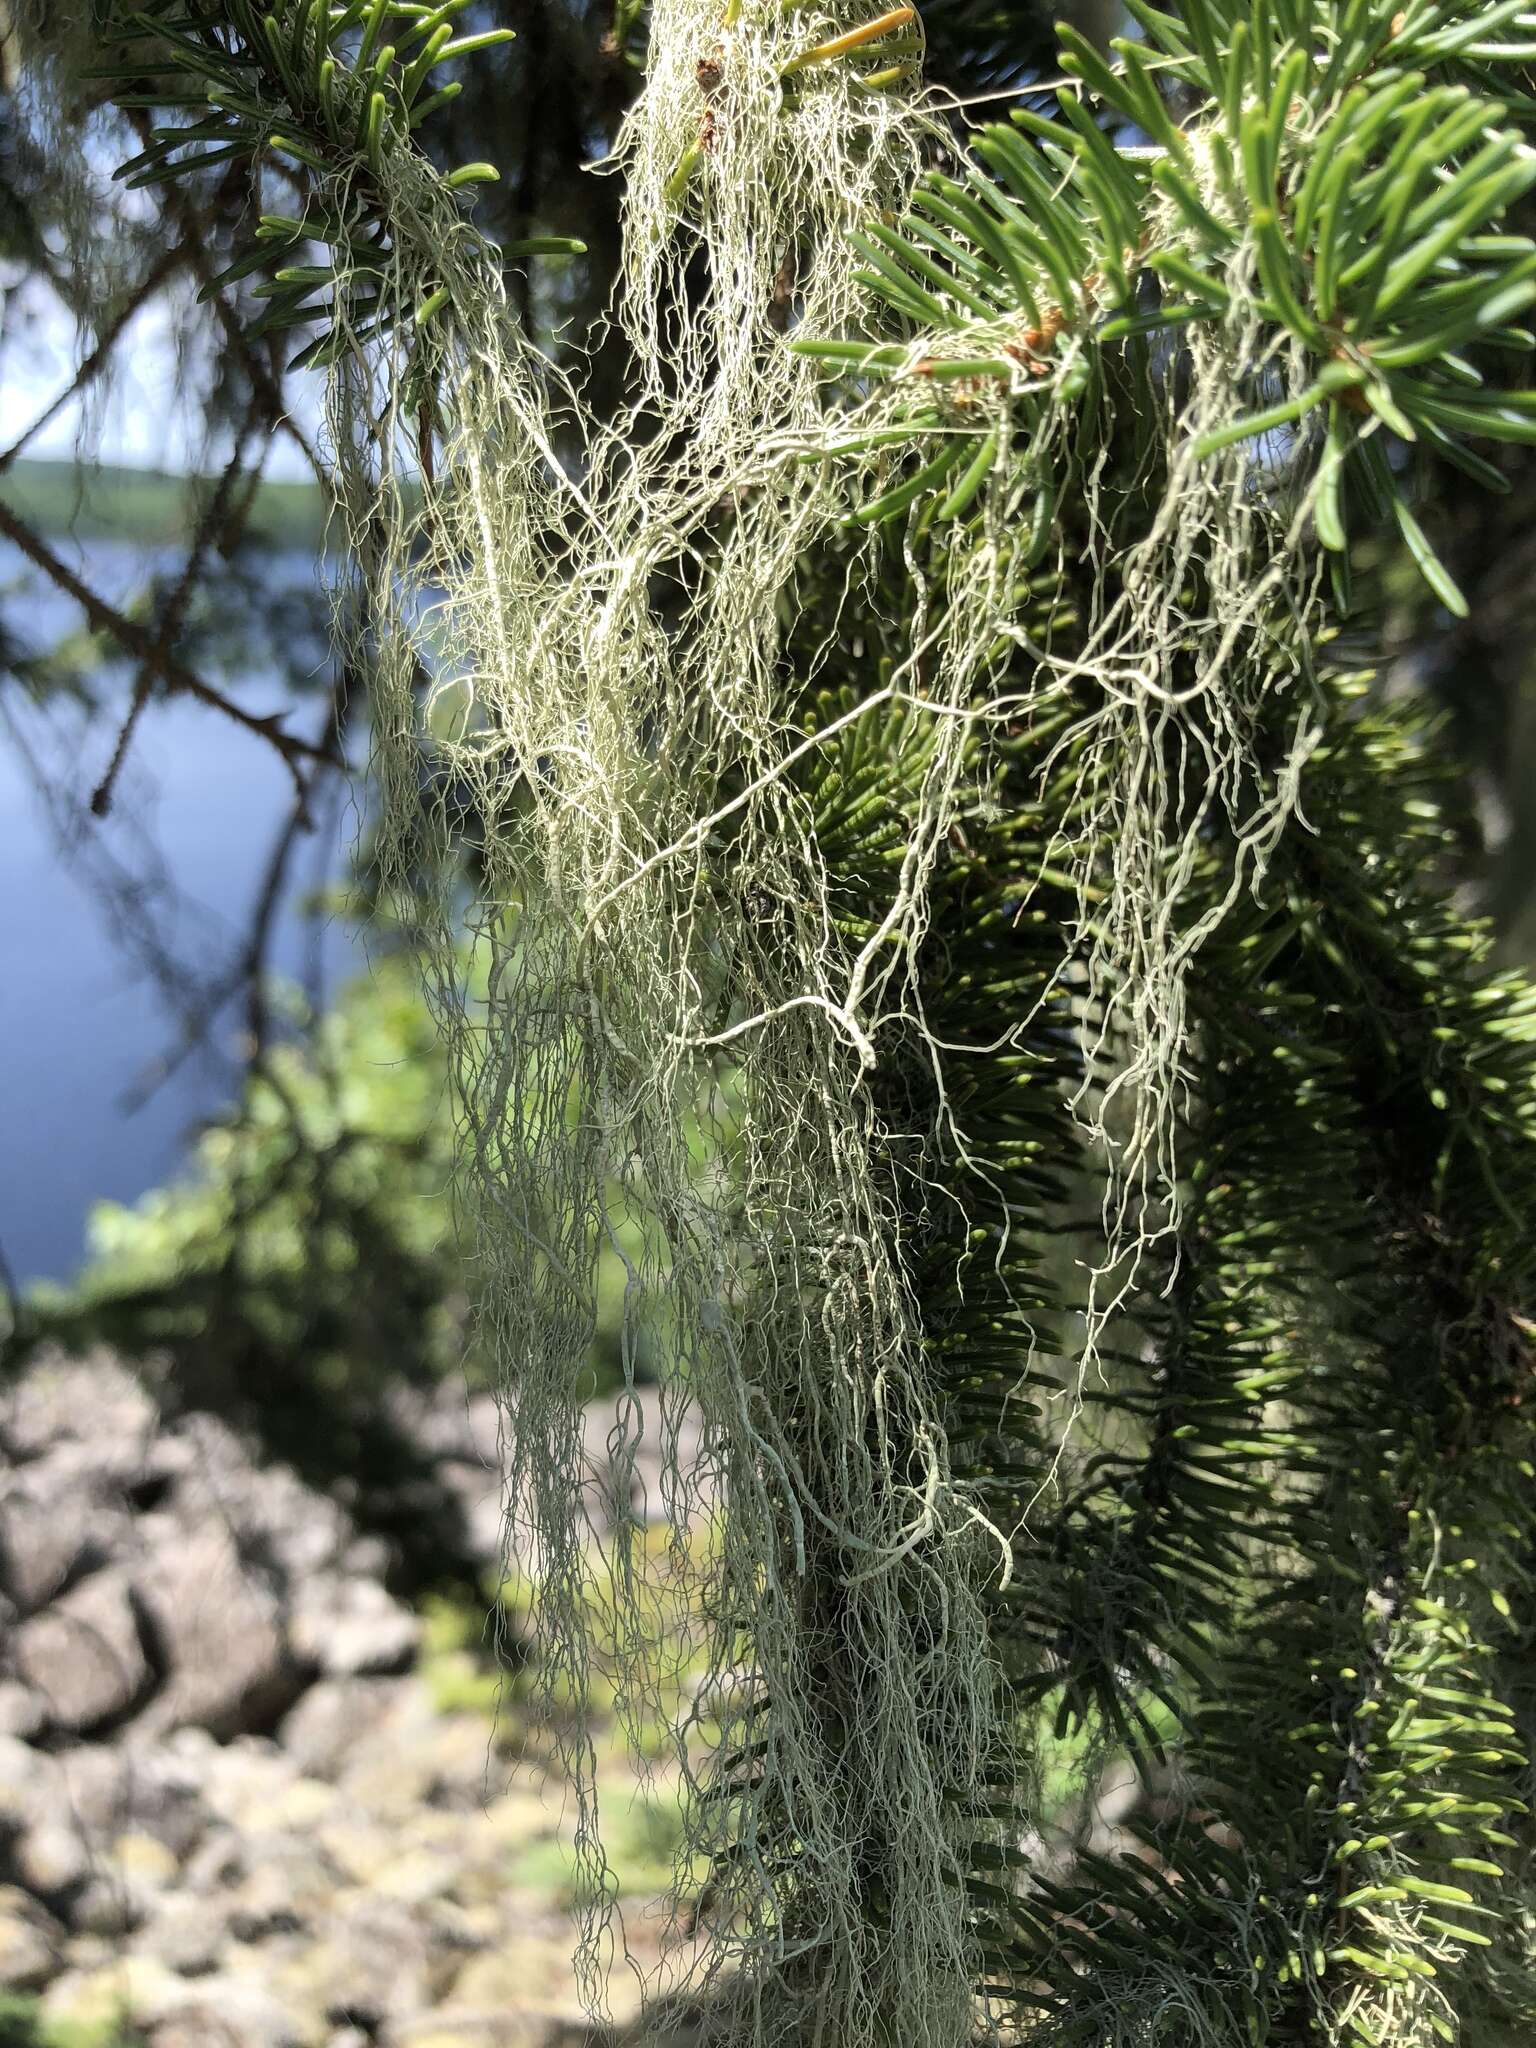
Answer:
[(134, 1787), (234, 1810), (31, 1941), (110, 1905), (287, 1885), (186, 1933), (219, 1632), (228, 2012), (30, 1785), (121, 1888), (94, 1402), (23, 1712), (85, 1654), (370, 1962), (144, 1860), (51, 1860), (53, 1529), (323, 1731), (132, 1988), (351, 1628), (462, 2027)]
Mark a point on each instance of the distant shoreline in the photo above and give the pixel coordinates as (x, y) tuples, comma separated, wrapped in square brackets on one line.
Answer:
[(108, 502)]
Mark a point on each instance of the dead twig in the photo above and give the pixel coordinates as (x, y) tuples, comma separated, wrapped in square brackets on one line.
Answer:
[(98, 358), (160, 661), (173, 612)]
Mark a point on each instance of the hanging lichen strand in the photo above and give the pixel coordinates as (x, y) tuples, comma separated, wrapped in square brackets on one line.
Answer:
[(611, 712), (624, 733), (1109, 416)]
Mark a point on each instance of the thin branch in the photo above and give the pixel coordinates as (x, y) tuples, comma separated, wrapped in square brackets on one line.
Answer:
[(141, 907), (161, 662), (98, 358), (254, 966), (173, 612), (248, 972), (264, 382)]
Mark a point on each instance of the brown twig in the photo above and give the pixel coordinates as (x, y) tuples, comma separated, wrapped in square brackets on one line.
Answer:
[(96, 361), (173, 612), (248, 974), (160, 661), (332, 734), (263, 380)]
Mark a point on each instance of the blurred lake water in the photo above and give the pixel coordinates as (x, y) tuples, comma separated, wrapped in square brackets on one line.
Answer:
[(106, 924)]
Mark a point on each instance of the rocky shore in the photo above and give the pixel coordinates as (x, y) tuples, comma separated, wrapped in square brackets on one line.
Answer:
[(247, 1798)]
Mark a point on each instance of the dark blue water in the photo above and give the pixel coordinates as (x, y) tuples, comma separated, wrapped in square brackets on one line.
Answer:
[(105, 925)]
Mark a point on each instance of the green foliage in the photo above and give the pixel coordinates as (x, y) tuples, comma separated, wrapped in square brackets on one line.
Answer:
[(1365, 171), (1289, 1548), (320, 88), (1275, 1546), (311, 1215), (22, 2025), (1333, 1450), (457, 1666)]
